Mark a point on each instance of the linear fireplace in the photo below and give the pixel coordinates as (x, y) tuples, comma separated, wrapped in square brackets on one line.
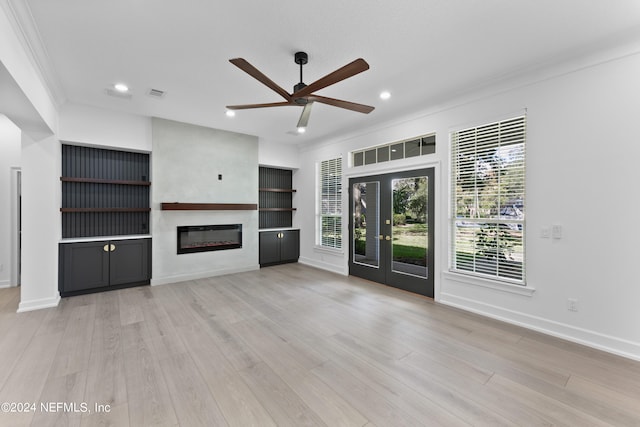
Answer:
[(203, 238)]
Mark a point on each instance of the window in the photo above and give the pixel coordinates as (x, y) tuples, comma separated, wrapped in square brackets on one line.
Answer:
[(419, 146), (330, 204), (488, 209)]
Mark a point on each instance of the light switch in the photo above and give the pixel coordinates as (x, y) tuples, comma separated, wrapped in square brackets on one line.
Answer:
[(556, 231)]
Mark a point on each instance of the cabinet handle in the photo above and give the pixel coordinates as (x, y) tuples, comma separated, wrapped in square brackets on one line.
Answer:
[(113, 248), (105, 248), (387, 238)]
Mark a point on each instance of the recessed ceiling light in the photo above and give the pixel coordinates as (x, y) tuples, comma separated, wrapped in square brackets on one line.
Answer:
[(121, 87), (385, 95), (302, 130), (230, 113)]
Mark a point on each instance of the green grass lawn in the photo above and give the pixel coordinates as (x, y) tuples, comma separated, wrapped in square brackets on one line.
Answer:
[(409, 244)]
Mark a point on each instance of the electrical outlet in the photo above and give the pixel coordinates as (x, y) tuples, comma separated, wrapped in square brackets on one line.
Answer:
[(572, 304), (556, 231)]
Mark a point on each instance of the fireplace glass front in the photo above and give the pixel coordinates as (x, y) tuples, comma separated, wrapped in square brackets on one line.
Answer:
[(203, 238)]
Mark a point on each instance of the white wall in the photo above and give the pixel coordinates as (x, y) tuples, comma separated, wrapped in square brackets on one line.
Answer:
[(27, 102), (110, 129), (9, 158), (33, 109), (582, 153), (40, 223), (285, 156), (187, 160)]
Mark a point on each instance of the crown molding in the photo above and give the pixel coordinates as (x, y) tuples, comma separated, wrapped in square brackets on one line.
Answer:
[(19, 15)]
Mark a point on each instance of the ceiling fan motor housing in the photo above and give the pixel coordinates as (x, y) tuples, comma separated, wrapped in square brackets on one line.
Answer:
[(296, 88)]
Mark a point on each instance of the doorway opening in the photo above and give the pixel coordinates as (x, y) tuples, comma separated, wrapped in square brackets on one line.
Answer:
[(16, 227)]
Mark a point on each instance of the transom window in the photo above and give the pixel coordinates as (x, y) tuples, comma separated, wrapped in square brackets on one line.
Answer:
[(418, 146)]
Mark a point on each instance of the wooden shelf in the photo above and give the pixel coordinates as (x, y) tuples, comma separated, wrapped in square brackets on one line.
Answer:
[(209, 206), (67, 210), (277, 209), (277, 190), (104, 181)]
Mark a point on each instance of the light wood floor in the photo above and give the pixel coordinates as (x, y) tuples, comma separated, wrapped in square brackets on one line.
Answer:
[(294, 346)]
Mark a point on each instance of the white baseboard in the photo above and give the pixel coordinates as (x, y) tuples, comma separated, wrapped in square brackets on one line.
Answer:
[(4, 284), (38, 304), (610, 344), (200, 275), (323, 265)]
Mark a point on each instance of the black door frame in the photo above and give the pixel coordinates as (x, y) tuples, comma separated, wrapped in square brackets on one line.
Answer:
[(384, 273)]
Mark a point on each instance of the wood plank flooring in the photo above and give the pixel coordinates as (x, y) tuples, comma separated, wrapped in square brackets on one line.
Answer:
[(294, 346)]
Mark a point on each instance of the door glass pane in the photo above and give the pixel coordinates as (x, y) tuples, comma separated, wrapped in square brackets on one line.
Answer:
[(410, 226), (366, 246)]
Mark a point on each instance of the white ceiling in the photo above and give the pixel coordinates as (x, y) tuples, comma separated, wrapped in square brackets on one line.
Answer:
[(422, 51)]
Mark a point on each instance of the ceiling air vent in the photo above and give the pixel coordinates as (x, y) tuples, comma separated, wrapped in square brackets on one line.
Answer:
[(156, 93)]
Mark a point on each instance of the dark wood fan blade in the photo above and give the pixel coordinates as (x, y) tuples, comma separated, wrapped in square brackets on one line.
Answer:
[(304, 117), (248, 106), (361, 108), (349, 70), (257, 74)]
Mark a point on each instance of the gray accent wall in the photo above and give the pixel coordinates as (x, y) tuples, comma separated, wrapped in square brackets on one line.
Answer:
[(187, 162)]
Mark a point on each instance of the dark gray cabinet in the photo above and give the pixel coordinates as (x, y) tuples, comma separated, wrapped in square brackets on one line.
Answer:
[(103, 265), (278, 247)]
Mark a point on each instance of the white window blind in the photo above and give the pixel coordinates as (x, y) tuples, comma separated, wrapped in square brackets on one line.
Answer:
[(330, 209), (488, 195)]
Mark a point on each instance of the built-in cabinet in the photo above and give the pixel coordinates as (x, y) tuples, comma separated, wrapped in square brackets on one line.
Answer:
[(105, 208), (278, 242), (104, 192), (103, 265), (275, 199), (278, 247)]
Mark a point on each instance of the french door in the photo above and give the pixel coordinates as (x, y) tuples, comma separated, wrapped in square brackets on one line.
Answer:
[(391, 229)]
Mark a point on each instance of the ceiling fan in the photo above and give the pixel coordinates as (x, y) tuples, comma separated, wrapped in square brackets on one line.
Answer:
[(303, 94)]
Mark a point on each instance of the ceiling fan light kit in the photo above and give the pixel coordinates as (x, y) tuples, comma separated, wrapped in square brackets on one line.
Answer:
[(303, 95)]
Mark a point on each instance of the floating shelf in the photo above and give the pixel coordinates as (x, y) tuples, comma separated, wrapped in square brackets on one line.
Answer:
[(277, 209), (277, 190), (209, 206), (104, 181)]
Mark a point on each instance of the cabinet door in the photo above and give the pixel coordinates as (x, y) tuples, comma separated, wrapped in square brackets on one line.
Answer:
[(290, 245), (83, 266), (130, 261), (269, 247)]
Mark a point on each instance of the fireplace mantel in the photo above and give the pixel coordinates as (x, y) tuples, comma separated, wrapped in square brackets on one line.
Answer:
[(175, 206)]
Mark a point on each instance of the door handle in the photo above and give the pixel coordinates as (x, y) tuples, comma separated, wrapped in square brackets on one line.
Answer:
[(381, 237), (105, 248), (112, 247), (387, 238)]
